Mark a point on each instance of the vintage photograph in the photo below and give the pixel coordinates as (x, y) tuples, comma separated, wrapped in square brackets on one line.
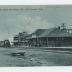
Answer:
[(35, 35)]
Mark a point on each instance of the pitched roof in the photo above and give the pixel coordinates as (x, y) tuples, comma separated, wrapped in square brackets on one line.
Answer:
[(47, 32), (38, 32), (60, 33), (52, 32)]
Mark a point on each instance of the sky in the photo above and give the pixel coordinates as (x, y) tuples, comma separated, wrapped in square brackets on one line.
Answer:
[(15, 19)]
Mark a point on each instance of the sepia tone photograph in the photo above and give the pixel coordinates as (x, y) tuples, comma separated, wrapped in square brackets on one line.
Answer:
[(35, 35)]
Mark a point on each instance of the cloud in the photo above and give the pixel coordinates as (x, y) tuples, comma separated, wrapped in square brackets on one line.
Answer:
[(31, 23), (18, 23)]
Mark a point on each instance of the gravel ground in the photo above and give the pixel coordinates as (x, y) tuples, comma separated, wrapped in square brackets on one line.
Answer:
[(34, 57)]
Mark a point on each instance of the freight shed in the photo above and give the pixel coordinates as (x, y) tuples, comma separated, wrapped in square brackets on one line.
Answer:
[(53, 37)]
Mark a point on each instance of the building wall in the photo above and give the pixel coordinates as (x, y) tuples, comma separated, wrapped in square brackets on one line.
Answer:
[(51, 41)]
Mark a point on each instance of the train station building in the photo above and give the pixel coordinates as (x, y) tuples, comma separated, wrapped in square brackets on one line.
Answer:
[(53, 37)]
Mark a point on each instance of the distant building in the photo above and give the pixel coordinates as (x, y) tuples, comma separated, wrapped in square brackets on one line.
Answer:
[(1, 43), (20, 39), (5, 43), (53, 37)]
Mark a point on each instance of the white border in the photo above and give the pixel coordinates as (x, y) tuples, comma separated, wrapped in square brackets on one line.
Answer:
[(36, 69), (35, 2)]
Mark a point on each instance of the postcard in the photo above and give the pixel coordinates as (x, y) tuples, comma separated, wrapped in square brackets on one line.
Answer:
[(35, 35)]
